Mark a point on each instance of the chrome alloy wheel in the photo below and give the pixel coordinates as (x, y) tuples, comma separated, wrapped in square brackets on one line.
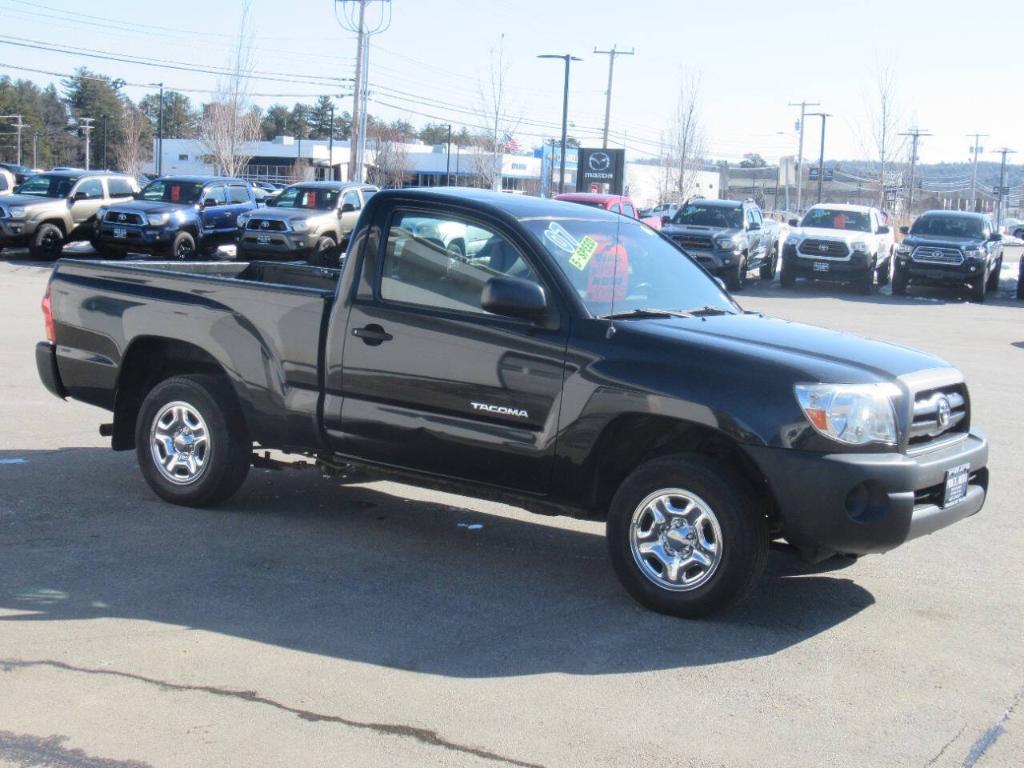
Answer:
[(675, 539), (179, 442)]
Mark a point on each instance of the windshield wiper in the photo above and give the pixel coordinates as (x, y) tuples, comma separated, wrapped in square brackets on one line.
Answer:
[(639, 314), (707, 310)]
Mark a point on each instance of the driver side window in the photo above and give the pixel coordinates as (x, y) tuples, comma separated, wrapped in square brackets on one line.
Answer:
[(90, 189), (351, 198), (215, 195)]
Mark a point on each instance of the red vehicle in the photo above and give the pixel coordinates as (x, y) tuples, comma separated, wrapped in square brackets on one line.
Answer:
[(615, 203)]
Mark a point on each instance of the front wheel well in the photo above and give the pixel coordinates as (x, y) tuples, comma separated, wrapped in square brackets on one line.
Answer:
[(146, 363), (636, 439), (58, 223)]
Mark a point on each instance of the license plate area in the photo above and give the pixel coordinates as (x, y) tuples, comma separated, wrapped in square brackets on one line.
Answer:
[(956, 484), (821, 266), (120, 232)]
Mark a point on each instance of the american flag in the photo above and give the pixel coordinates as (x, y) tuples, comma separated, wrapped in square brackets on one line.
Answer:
[(511, 145)]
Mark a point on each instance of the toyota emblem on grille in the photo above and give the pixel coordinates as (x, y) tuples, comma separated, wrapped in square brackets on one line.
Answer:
[(938, 255), (823, 247), (121, 217), (943, 412), (265, 224)]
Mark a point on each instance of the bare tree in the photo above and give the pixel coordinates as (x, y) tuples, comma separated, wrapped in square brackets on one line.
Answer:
[(687, 144), (131, 151), (389, 156), (230, 124), (497, 122), (884, 117)]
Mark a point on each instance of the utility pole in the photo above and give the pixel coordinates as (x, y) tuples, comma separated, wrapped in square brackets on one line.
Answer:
[(353, 18), (568, 58), (160, 135), (19, 125), (608, 94), (448, 159), (330, 142), (35, 148), (821, 153), (915, 135), (974, 167), (104, 119), (1003, 190), (85, 123), (800, 152)]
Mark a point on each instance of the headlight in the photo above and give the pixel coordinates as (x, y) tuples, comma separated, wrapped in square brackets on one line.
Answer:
[(904, 250), (974, 253), (158, 219), (793, 240), (243, 219), (728, 242), (18, 212), (860, 246), (852, 414), (100, 213), (300, 226)]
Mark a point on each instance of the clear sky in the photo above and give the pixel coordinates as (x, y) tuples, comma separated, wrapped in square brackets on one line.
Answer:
[(958, 67)]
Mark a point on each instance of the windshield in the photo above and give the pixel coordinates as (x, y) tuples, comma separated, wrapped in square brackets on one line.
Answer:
[(948, 226), (827, 218), (48, 186), (719, 216), (309, 198), (622, 265), (172, 191)]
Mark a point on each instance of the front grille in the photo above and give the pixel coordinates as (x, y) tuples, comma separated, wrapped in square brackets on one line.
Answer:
[(697, 242), (267, 225), (938, 255), (824, 249), (118, 217), (930, 411)]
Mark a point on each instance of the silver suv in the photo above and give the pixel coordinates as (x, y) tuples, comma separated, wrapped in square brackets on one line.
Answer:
[(311, 220), (54, 208)]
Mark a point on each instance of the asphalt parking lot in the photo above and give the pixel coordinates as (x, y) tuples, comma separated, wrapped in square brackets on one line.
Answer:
[(307, 623)]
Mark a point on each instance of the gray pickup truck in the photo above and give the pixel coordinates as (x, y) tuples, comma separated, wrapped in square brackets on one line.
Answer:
[(310, 221), (726, 237)]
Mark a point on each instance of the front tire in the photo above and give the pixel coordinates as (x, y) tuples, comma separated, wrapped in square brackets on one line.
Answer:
[(787, 276), (993, 278), (47, 242), (769, 266), (324, 252), (884, 273), (686, 536), (977, 285), (866, 282), (736, 278), (183, 247), (191, 441)]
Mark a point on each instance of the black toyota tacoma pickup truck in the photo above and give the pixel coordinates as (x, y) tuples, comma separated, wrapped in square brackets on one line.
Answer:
[(577, 363)]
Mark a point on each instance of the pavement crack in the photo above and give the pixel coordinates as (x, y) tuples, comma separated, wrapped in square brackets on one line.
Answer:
[(422, 735), (946, 746), (992, 734)]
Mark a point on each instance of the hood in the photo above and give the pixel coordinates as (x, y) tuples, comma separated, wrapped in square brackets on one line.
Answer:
[(11, 201), (148, 206), (952, 242), (287, 214), (690, 229), (824, 233), (809, 352)]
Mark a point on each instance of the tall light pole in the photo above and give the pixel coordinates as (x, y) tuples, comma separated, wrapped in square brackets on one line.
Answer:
[(608, 94), (821, 152), (448, 159), (85, 123), (104, 119), (800, 151), (568, 58), (19, 125), (1003, 190), (975, 151), (915, 135), (160, 134)]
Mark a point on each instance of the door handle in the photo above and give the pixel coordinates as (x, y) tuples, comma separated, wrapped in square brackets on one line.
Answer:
[(372, 334)]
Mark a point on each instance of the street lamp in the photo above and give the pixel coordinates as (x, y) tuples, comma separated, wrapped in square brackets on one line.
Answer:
[(567, 58), (821, 156)]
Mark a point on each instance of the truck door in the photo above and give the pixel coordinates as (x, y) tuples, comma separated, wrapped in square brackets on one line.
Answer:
[(349, 211), (240, 201), (212, 213), (755, 237), (86, 199), (432, 382)]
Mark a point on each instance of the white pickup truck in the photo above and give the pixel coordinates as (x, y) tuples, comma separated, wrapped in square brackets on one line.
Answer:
[(848, 243)]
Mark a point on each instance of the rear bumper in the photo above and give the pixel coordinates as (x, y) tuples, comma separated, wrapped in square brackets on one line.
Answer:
[(870, 502), (46, 364)]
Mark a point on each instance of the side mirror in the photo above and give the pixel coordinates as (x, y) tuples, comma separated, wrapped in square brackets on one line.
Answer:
[(794, 222), (904, 230), (80, 196), (208, 204), (883, 230), (753, 226), (665, 220), (511, 297), (271, 202), (347, 208), (995, 237)]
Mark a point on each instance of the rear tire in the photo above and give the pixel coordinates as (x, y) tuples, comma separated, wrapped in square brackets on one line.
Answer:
[(47, 242), (657, 562), (191, 441)]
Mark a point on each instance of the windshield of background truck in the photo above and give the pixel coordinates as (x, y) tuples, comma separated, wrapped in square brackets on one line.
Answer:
[(827, 218), (308, 198), (622, 265), (48, 186), (948, 226), (718, 216), (170, 191)]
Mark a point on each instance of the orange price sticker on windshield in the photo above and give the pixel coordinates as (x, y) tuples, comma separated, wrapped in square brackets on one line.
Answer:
[(175, 193), (608, 275)]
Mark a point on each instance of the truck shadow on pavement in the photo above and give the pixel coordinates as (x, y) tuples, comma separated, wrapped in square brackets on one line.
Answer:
[(352, 572)]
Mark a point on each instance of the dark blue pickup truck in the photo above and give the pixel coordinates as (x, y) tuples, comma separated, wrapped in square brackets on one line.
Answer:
[(175, 217), (576, 363)]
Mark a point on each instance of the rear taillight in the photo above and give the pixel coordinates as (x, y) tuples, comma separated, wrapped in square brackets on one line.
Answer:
[(51, 335)]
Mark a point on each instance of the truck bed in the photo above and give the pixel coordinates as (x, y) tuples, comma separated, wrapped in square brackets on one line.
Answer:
[(262, 323)]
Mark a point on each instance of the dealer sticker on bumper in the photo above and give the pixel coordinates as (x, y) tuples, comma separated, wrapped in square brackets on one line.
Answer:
[(956, 483)]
